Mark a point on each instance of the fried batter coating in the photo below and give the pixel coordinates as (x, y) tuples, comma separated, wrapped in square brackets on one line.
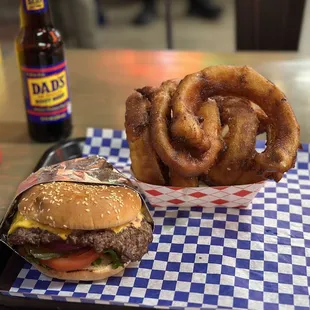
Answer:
[(240, 141), (145, 163), (283, 140), (182, 161)]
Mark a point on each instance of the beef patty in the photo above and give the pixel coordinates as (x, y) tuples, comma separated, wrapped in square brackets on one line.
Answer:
[(130, 244)]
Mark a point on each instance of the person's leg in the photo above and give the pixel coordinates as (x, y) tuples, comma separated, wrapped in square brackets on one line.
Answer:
[(63, 21), (204, 8), (147, 13), (77, 22), (101, 16), (84, 13)]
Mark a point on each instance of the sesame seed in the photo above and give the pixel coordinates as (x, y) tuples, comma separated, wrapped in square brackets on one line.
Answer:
[(87, 210), (108, 212), (117, 217), (65, 226), (101, 215)]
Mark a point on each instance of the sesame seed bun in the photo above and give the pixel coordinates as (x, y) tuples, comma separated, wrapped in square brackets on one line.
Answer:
[(89, 274), (80, 206)]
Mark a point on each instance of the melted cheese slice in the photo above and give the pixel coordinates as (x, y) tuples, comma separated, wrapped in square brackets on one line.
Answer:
[(135, 223), (21, 222)]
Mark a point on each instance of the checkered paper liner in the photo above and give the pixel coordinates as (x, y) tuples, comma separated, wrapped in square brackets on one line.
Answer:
[(230, 258)]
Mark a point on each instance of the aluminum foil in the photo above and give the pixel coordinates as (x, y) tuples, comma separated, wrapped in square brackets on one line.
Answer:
[(88, 170)]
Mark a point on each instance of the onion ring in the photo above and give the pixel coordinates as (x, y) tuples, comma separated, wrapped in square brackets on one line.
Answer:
[(240, 118), (178, 181), (284, 131), (183, 161), (145, 163), (262, 117)]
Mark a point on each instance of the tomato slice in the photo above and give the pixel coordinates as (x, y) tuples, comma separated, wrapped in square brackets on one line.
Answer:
[(72, 262)]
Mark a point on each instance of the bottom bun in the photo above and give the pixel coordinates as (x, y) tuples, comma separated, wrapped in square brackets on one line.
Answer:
[(90, 274)]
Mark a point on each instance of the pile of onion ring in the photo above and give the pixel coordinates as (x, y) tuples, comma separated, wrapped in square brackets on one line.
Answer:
[(204, 128)]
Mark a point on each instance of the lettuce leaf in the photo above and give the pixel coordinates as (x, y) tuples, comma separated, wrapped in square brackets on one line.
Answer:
[(97, 262), (116, 261)]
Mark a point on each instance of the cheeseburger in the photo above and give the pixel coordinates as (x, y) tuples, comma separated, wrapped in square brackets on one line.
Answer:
[(76, 231)]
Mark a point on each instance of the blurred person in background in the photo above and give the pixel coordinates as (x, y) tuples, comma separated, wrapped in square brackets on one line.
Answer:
[(201, 8), (77, 22), (100, 15)]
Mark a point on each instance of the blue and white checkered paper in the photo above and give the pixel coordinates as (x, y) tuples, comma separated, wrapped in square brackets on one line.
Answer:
[(253, 258)]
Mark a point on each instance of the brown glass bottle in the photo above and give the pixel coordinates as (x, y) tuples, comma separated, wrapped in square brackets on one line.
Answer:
[(40, 52)]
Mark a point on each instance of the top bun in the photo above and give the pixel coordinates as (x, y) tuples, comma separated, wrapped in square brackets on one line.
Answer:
[(80, 206)]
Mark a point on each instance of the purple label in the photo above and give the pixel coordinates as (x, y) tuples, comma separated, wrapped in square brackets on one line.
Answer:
[(47, 95)]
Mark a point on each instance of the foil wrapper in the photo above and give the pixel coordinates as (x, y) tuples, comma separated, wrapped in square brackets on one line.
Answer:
[(87, 170)]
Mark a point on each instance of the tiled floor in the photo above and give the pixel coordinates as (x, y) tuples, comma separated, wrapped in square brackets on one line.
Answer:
[(189, 33)]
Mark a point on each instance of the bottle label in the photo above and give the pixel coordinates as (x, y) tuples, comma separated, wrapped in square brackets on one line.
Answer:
[(47, 93), (35, 6)]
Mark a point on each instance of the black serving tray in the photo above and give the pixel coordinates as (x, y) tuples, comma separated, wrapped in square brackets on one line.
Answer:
[(60, 152), (11, 263)]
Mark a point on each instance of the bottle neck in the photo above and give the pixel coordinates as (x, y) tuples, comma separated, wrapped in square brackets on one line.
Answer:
[(35, 13)]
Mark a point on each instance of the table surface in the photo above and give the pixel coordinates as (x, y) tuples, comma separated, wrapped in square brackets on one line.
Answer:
[(101, 80)]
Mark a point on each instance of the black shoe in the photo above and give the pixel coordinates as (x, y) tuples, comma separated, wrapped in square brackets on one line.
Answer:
[(101, 20), (204, 8), (145, 17)]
